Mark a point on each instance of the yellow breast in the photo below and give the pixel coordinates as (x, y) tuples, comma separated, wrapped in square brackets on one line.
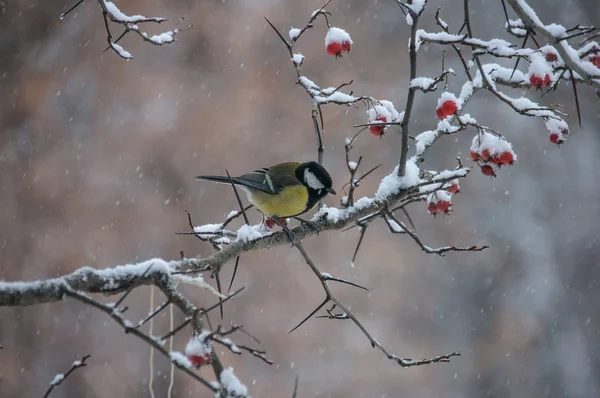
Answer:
[(290, 202)]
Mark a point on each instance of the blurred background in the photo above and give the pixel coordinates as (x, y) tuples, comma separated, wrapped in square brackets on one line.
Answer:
[(97, 160)]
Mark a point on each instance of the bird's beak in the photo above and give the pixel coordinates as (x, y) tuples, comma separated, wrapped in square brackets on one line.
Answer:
[(331, 191)]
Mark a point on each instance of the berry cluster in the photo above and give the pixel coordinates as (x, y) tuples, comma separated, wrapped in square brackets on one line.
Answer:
[(490, 148), (198, 350), (539, 70), (558, 130), (440, 201), (380, 114)]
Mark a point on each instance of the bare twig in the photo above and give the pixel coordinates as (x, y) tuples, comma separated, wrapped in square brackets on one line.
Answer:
[(404, 362)]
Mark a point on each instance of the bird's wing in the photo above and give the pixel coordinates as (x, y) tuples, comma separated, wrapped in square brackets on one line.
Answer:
[(272, 179)]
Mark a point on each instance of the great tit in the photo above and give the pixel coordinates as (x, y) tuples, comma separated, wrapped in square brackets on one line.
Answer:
[(284, 190)]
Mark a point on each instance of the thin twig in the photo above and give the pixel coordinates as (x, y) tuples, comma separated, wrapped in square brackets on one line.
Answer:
[(59, 378), (404, 362)]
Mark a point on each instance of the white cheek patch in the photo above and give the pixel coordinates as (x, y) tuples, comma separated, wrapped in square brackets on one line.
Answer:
[(312, 181)]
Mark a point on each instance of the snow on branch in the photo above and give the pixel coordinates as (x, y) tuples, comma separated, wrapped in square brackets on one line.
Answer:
[(130, 23), (556, 35)]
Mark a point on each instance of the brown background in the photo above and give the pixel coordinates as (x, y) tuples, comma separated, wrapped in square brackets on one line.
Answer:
[(97, 157)]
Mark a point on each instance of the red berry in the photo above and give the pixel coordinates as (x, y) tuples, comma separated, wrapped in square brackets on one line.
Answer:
[(488, 170), (199, 360), (551, 57), (449, 107), (564, 132), (507, 158), (378, 129), (454, 188), (595, 60), (346, 46), (556, 138), (335, 48), (546, 80), (432, 208), (474, 155), (443, 206), (269, 223), (496, 159), (537, 81), (485, 155), (439, 112)]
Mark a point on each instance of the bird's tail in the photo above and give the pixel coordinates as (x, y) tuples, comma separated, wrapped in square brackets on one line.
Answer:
[(220, 179)]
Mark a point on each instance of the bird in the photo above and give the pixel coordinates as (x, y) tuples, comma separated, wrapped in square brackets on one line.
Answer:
[(283, 190)]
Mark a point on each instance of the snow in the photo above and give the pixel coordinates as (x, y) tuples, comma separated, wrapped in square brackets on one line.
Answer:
[(391, 183), (232, 384), (497, 72), (556, 30), (352, 165), (438, 37), (121, 17), (409, 19), (326, 275), (198, 345), (448, 174), (249, 233), (440, 196), (389, 105), (417, 6), (337, 35), (165, 37), (444, 126), (448, 96), (467, 119), (337, 97), (294, 33), (424, 83), (377, 111), (424, 140), (523, 104), (122, 52), (306, 82), (298, 59), (538, 66), (316, 12), (495, 46), (57, 379), (493, 143), (208, 229), (395, 226), (556, 125), (529, 11), (180, 359), (466, 92)]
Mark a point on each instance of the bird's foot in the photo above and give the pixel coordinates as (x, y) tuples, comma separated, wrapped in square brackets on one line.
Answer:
[(308, 223)]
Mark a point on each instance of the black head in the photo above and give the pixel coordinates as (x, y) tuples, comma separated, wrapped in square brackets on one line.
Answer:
[(315, 178)]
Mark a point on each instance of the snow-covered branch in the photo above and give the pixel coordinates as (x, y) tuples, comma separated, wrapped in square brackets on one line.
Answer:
[(556, 35), (131, 23)]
